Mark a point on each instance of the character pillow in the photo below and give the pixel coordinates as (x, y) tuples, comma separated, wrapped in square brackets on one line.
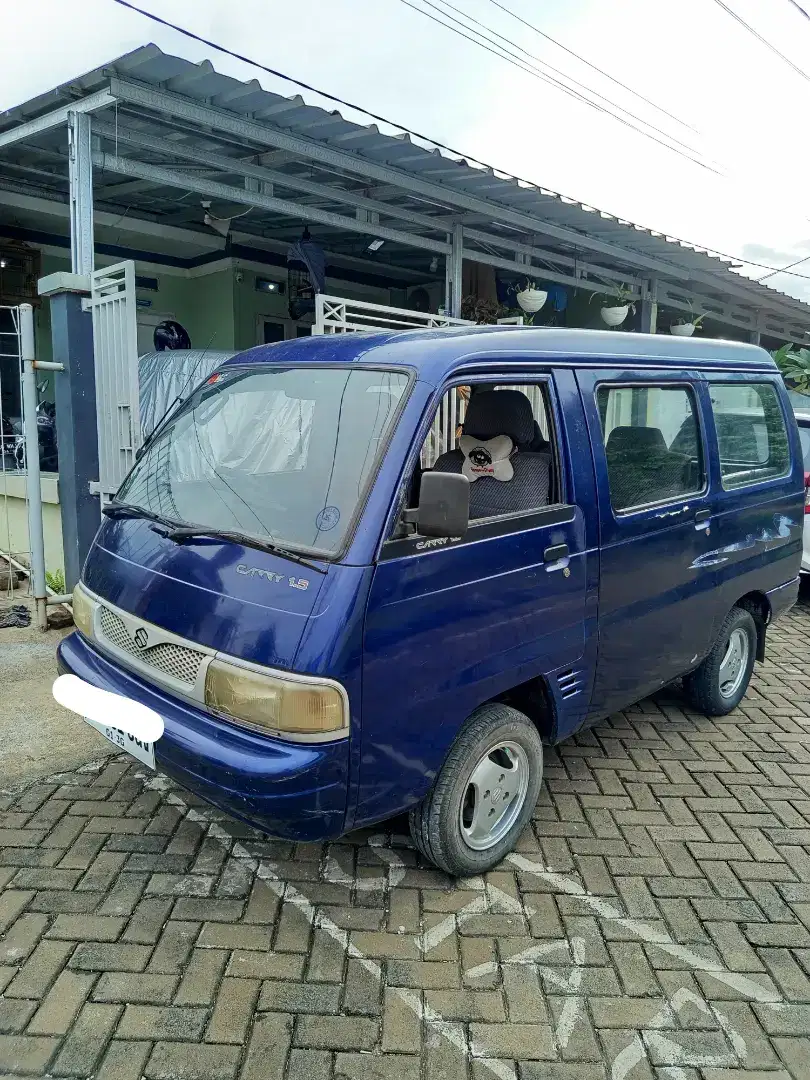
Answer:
[(487, 457)]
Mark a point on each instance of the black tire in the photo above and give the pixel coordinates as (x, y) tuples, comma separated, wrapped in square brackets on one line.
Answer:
[(703, 685), (436, 822)]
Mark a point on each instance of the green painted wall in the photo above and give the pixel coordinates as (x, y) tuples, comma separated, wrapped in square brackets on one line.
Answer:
[(14, 519), (204, 305), (249, 305), (220, 310)]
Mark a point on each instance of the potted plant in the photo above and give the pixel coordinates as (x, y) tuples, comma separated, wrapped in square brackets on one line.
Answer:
[(482, 312), (686, 325), (529, 297), (616, 305)]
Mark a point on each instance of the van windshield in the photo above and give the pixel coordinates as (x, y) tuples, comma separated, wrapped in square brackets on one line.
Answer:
[(282, 454)]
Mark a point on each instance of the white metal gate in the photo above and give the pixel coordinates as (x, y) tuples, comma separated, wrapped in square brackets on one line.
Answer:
[(15, 547), (115, 344)]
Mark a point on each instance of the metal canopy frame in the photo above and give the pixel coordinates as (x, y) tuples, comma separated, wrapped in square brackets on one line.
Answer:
[(149, 124)]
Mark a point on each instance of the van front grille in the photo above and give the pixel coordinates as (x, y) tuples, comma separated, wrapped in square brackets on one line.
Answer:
[(176, 661)]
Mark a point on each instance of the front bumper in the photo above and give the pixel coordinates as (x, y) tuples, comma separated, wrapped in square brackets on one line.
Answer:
[(295, 791)]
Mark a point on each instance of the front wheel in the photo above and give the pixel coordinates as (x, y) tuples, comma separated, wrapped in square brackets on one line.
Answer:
[(484, 794), (719, 684)]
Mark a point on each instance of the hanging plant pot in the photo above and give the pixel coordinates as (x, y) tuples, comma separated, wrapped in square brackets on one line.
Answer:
[(615, 316), (531, 300), (682, 329)]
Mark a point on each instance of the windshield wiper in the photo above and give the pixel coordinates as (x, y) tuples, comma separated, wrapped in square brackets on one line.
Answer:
[(119, 510), (179, 533)]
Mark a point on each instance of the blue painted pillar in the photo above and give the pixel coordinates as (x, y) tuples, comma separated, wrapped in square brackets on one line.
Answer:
[(75, 399)]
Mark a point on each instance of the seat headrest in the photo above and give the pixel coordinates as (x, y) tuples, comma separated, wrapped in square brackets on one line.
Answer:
[(637, 440), (500, 412), (539, 443), (736, 427)]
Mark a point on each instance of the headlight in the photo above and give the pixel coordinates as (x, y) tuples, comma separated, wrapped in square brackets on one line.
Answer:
[(273, 703), (82, 611)]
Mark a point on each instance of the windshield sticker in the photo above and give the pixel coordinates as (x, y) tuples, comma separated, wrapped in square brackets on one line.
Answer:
[(328, 518)]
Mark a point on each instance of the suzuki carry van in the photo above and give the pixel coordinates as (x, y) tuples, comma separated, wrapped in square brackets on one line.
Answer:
[(369, 574)]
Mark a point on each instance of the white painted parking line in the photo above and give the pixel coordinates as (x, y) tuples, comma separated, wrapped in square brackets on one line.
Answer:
[(651, 935), (649, 1042)]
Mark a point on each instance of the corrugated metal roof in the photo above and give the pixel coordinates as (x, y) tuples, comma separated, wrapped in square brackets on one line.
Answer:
[(420, 159)]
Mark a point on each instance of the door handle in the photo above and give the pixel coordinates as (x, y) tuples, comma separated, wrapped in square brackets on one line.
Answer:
[(556, 553), (702, 519)]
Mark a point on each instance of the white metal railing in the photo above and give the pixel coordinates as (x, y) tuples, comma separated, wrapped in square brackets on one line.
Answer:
[(337, 315)]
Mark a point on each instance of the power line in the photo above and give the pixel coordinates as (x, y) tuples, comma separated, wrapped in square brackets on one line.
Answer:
[(304, 86), (784, 269), (357, 108), (332, 97), (799, 8), (748, 262), (510, 44), (760, 38), (593, 67), (530, 69)]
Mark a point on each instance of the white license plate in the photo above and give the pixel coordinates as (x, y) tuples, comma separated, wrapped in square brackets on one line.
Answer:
[(143, 751)]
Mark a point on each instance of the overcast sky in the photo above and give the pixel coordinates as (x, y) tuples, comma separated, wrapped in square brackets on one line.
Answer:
[(747, 106)]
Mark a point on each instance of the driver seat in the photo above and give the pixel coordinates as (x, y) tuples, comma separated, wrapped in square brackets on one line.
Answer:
[(503, 412)]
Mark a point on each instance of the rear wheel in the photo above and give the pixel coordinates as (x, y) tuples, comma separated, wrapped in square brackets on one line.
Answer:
[(719, 684), (484, 794)]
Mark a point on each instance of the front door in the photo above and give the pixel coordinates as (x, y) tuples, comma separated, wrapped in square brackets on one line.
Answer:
[(656, 592), (452, 624)]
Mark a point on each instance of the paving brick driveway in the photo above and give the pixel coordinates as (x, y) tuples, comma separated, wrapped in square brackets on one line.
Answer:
[(655, 922)]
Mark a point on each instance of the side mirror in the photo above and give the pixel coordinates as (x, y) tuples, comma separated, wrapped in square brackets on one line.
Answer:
[(444, 504)]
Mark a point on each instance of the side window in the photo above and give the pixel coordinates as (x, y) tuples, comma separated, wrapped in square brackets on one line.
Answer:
[(497, 436), (751, 435), (652, 444)]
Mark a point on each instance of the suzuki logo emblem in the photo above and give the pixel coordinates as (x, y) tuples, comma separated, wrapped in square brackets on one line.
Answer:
[(141, 638)]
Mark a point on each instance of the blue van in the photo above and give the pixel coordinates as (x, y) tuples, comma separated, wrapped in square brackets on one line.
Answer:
[(366, 574)]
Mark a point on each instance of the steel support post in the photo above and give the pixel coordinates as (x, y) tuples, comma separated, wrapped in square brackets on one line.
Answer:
[(648, 322), (80, 172), (33, 480), (453, 267)]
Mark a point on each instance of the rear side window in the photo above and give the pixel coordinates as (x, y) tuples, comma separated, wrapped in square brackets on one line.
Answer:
[(652, 444), (752, 438)]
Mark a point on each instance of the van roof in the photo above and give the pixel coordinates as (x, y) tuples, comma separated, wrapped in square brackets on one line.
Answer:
[(438, 352)]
